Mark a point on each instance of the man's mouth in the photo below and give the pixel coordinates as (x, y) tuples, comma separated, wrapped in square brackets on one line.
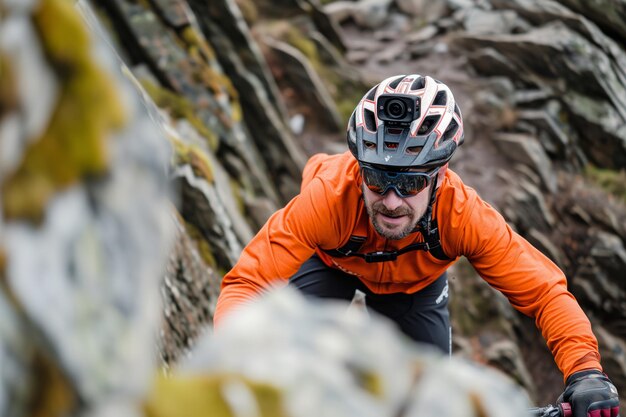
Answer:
[(392, 218)]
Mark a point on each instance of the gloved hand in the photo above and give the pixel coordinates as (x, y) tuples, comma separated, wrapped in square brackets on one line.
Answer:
[(591, 394)]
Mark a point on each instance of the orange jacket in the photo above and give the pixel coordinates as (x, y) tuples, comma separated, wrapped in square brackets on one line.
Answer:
[(329, 209)]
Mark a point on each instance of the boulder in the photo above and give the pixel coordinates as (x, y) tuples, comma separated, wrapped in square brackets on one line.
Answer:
[(527, 150)]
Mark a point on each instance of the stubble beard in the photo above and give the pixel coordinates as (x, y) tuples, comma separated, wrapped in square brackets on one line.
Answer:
[(378, 207)]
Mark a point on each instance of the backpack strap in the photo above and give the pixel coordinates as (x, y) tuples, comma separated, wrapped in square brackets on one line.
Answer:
[(352, 246), (431, 244)]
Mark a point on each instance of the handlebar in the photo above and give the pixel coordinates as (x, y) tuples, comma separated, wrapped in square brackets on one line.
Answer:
[(559, 410)]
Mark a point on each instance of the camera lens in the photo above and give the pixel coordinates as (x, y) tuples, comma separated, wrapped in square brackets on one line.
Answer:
[(395, 109)]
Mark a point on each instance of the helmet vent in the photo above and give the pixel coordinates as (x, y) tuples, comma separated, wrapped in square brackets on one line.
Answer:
[(371, 94), (453, 127), (414, 150), (440, 99), (395, 82), (418, 84), (394, 131), (457, 111), (369, 145), (428, 125), (370, 120), (391, 145)]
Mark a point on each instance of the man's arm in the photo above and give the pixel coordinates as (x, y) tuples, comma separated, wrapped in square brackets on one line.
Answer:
[(532, 283), (289, 238)]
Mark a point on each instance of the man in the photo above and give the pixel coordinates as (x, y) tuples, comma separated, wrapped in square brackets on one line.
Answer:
[(388, 218)]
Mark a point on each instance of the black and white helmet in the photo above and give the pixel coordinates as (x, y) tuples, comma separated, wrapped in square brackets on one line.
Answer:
[(406, 121)]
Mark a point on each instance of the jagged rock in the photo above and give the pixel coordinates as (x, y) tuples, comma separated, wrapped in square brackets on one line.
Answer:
[(327, 27), (525, 206), (371, 14), (552, 137), (527, 150), (505, 355), (264, 113), (326, 360), (483, 22), (606, 13), (590, 72), (598, 281), (190, 289), (309, 85), (394, 52), (460, 4), (543, 243), (424, 34), (427, 10), (489, 61), (613, 351), (340, 11)]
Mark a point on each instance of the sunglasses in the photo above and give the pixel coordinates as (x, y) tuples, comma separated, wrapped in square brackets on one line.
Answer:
[(404, 183)]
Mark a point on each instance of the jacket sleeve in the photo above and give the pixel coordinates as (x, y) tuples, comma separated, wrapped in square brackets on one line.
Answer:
[(289, 238), (533, 284)]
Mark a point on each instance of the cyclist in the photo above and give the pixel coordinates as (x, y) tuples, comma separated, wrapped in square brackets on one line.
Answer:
[(388, 218)]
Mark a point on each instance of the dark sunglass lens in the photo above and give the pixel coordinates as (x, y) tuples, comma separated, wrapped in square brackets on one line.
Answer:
[(374, 181), (410, 185)]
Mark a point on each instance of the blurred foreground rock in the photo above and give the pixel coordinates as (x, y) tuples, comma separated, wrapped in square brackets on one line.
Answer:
[(283, 355)]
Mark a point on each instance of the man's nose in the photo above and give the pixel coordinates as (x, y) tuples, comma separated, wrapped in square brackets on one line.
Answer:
[(392, 200)]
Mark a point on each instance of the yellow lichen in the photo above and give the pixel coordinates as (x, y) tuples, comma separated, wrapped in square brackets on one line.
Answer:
[(197, 41), (180, 108), (611, 181), (203, 246), (200, 396), (194, 156), (202, 55), (88, 108), (8, 95), (53, 394), (3, 264), (249, 11)]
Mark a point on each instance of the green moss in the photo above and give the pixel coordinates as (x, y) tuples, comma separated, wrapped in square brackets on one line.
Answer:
[(249, 11), (53, 394), (8, 95), (305, 45), (238, 194), (197, 42), (203, 55), (195, 157), (180, 108), (200, 396), (3, 264), (612, 181), (371, 383), (204, 247), (345, 92), (73, 146)]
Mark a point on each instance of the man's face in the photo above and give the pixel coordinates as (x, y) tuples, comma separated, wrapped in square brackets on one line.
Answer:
[(395, 217)]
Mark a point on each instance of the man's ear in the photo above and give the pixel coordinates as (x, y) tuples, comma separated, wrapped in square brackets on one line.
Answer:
[(441, 175)]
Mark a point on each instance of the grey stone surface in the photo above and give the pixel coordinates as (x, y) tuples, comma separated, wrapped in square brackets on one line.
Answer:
[(527, 150), (483, 22), (324, 354), (94, 261), (307, 81), (371, 14)]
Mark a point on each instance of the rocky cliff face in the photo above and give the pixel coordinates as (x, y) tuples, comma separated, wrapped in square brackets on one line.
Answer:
[(238, 94)]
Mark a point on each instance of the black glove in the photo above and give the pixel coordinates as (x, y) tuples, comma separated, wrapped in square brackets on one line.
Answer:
[(591, 394)]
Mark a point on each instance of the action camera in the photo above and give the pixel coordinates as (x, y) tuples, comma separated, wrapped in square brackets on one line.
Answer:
[(399, 109)]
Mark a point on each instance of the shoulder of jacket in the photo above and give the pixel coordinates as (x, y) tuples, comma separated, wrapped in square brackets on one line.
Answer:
[(337, 171)]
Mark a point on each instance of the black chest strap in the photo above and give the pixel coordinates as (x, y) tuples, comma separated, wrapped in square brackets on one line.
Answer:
[(432, 244)]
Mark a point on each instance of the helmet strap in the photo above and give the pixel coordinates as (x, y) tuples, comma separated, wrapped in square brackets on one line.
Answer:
[(423, 224)]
